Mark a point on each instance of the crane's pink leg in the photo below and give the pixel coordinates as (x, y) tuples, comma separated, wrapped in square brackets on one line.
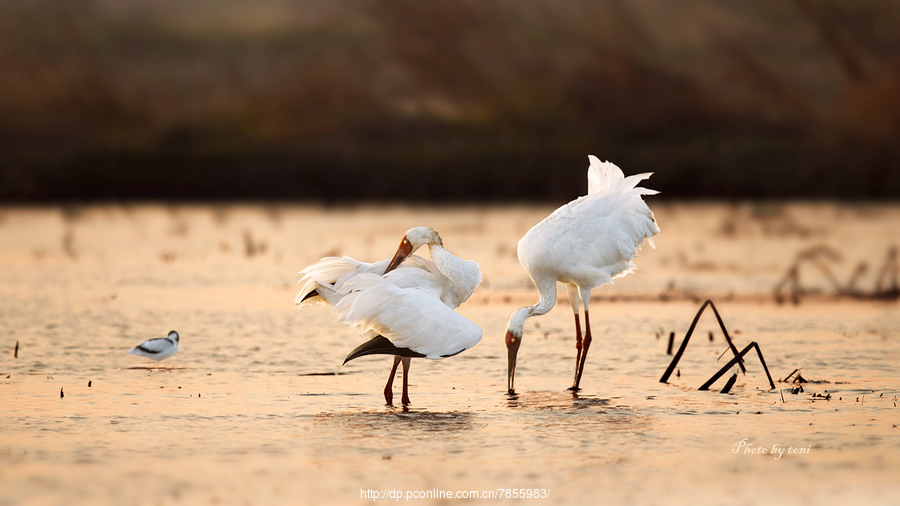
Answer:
[(578, 347), (389, 388), (585, 346), (405, 397)]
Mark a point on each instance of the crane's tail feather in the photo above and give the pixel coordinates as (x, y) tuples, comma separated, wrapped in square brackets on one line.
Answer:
[(380, 345), (602, 176), (606, 176), (631, 183)]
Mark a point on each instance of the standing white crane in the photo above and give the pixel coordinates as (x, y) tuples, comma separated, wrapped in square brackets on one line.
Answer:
[(405, 305), (583, 244)]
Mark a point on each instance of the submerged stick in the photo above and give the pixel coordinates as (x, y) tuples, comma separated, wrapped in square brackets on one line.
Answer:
[(687, 337), (736, 360), (16, 351), (671, 341), (786, 378), (729, 384)]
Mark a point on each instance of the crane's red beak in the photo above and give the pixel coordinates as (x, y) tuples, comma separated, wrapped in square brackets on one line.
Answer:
[(403, 251), (512, 349)]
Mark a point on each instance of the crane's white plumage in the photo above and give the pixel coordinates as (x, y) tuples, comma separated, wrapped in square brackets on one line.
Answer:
[(456, 278), (583, 244), (405, 305), (414, 318), (157, 349)]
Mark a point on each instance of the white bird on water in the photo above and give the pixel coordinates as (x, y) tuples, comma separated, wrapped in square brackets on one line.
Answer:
[(157, 349), (583, 244), (404, 306)]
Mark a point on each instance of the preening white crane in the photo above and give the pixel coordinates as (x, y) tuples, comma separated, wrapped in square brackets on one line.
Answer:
[(583, 244), (404, 306)]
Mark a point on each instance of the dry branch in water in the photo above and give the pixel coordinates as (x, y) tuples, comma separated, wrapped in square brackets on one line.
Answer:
[(735, 360), (738, 356), (730, 383), (687, 337)]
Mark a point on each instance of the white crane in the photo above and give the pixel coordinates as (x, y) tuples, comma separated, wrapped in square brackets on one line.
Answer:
[(583, 244), (405, 305)]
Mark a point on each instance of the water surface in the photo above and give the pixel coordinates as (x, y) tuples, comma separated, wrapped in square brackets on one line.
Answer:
[(256, 408)]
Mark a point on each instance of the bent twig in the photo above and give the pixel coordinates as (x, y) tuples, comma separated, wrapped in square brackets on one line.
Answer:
[(687, 337), (735, 360)]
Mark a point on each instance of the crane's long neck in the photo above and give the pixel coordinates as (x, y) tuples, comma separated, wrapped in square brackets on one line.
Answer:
[(548, 299), (442, 258), (465, 275), (516, 323)]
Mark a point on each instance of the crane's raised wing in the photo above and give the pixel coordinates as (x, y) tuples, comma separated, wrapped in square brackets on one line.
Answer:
[(336, 271), (410, 318), (332, 271)]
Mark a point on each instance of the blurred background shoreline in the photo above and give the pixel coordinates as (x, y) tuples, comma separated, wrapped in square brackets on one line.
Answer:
[(752, 252), (458, 102)]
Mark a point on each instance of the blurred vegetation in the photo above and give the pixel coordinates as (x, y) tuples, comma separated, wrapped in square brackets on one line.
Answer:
[(455, 100)]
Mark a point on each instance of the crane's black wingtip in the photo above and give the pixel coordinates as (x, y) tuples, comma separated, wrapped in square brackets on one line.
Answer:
[(380, 345), (314, 293)]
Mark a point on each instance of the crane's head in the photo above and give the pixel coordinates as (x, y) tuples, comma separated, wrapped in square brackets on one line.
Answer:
[(514, 330), (173, 335), (414, 239)]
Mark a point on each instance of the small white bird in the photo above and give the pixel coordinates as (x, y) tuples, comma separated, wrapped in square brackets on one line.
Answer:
[(405, 305), (157, 349), (585, 243)]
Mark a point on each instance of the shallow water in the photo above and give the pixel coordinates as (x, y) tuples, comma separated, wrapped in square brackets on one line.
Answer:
[(256, 408)]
